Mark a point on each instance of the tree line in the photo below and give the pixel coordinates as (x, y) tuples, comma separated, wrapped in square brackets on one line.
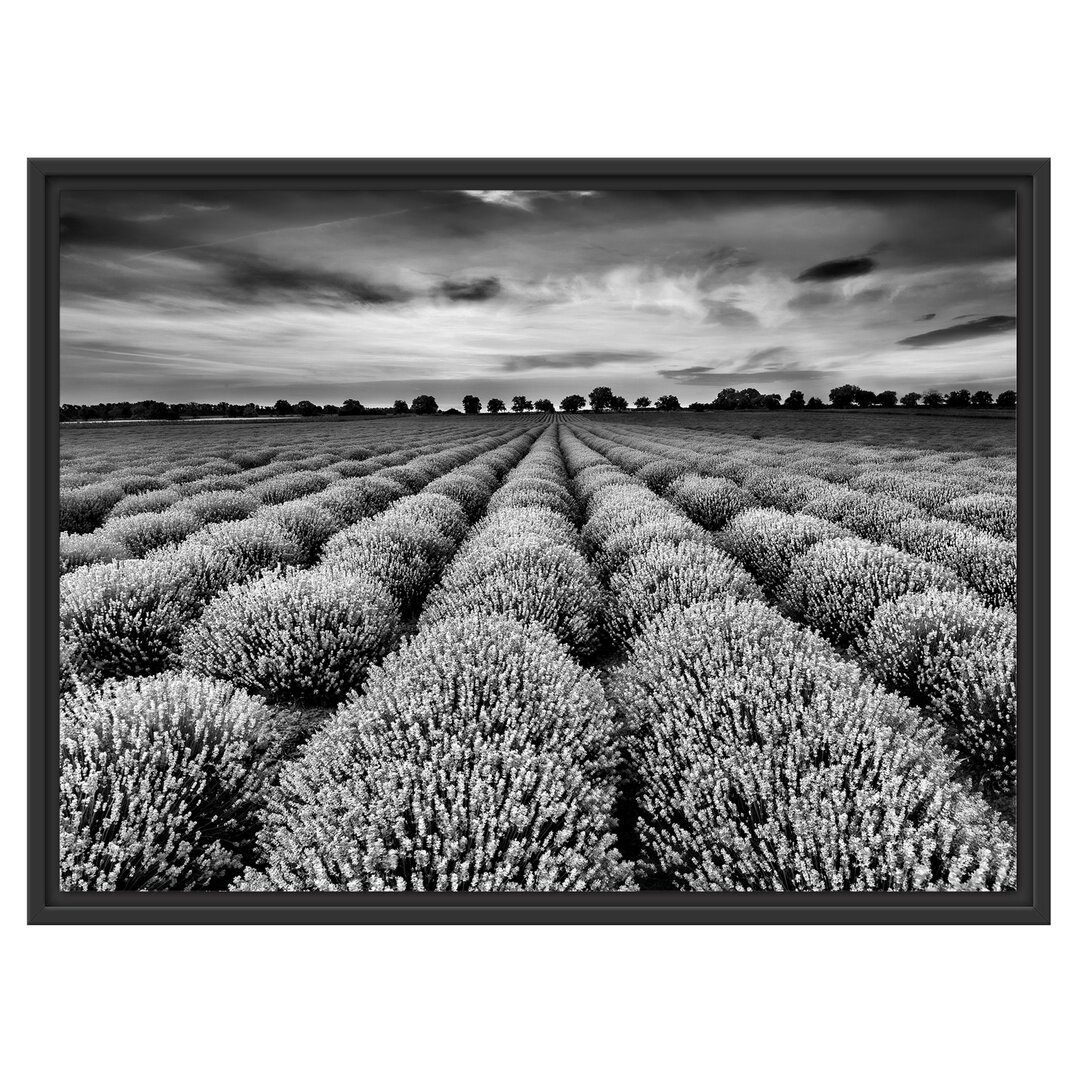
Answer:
[(600, 399)]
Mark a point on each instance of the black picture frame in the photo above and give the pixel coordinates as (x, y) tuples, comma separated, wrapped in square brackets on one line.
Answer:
[(1028, 178)]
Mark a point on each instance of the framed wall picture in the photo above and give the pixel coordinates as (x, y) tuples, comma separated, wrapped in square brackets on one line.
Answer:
[(539, 541)]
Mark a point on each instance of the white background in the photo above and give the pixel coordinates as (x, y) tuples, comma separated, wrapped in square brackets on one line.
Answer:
[(556, 79)]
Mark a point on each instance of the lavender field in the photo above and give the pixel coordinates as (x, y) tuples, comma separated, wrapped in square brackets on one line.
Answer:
[(589, 652)]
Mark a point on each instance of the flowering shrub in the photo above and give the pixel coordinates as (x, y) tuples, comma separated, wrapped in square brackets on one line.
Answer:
[(182, 474), (513, 525), (784, 490), (633, 537), (764, 763), (984, 563), (135, 482), (834, 471), (995, 514), (869, 516), (139, 534), (353, 500), (124, 618), (926, 491), (229, 552), (83, 509), (658, 473), (308, 523), (405, 552), (599, 478), (529, 579), (145, 502), (83, 549), (481, 471), (480, 758), (531, 492), (470, 492), (710, 501), (349, 468), (836, 585), (666, 575), (289, 486), (213, 483), (208, 507), (951, 654), (438, 511), (299, 636), (160, 779), (767, 542)]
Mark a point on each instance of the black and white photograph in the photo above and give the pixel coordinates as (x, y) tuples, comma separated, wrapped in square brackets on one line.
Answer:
[(537, 540)]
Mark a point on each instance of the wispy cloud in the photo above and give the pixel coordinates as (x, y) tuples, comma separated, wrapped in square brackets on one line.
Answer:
[(525, 200), (581, 358), (696, 376)]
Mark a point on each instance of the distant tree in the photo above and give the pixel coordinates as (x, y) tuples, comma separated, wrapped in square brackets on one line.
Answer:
[(471, 403), (1006, 399), (572, 403), (933, 399), (600, 398), (887, 399), (149, 410), (843, 397), (401, 406), (865, 398), (282, 407), (909, 401), (750, 398), (958, 399), (697, 406), (619, 404), (982, 399), (521, 404), (544, 405), (452, 412), (815, 403), (306, 408), (251, 409), (333, 410), (425, 405), (351, 407), (668, 403), (795, 400), (642, 402), (496, 405), (771, 401), (728, 398)]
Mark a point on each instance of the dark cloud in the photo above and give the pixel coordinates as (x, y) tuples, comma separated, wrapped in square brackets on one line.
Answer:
[(728, 314), (698, 376), (475, 289), (584, 358), (837, 269), (926, 318), (250, 279), (991, 324), (99, 230)]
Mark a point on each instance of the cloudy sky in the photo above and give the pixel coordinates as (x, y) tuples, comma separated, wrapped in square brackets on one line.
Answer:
[(252, 296)]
